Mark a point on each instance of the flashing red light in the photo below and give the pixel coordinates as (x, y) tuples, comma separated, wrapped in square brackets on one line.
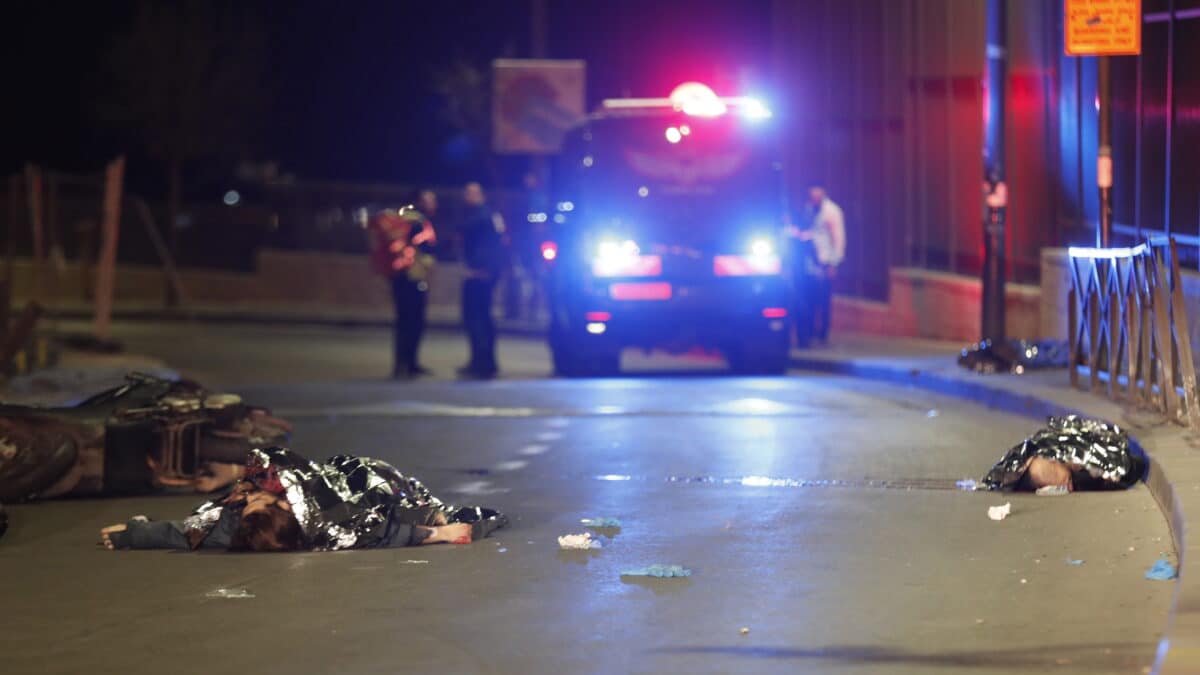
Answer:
[(597, 316), (697, 99), (774, 313), (549, 250), (640, 291)]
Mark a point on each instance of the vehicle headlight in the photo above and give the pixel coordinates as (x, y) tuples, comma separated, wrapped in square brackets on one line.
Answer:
[(613, 256), (762, 247)]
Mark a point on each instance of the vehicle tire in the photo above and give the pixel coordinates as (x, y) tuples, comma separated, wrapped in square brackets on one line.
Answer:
[(571, 361), (759, 359)]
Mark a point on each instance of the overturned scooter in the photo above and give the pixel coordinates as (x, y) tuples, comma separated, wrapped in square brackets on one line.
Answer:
[(146, 434)]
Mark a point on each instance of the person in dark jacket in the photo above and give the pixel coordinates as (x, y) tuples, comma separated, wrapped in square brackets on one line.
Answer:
[(484, 260), (288, 503)]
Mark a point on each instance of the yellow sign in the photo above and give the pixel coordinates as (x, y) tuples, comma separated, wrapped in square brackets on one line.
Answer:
[(1103, 27)]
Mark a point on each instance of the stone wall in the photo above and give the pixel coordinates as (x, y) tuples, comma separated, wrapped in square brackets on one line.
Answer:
[(938, 306)]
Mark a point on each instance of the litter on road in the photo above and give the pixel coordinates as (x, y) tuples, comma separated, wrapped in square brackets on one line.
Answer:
[(230, 594), (580, 541), (659, 571), (1162, 570), (1000, 512)]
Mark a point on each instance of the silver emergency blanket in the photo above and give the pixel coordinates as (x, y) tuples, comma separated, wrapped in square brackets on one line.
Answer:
[(1098, 454), (343, 502)]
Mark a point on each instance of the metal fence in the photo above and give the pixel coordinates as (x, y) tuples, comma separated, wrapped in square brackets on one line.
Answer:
[(1128, 328)]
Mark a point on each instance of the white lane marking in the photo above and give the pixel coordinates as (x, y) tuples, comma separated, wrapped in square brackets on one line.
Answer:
[(531, 450), (512, 465), (476, 487), (549, 436)]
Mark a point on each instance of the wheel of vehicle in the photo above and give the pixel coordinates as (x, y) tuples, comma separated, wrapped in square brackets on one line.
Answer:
[(758, 359), (572, 361)]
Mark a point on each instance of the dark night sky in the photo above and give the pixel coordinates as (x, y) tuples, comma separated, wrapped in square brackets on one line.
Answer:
[(351, 96)]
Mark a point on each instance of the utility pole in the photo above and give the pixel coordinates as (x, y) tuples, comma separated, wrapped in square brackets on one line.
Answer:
[(995, 190), (1104, 159)]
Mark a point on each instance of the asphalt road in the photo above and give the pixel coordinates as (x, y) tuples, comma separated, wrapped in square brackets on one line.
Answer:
[(820, 513)]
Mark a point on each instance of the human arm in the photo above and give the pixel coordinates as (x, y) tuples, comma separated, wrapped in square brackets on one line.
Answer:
[(835, 222), (400, 535)]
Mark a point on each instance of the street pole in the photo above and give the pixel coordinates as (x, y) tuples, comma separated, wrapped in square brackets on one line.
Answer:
[(994, 188), (1104, 162)]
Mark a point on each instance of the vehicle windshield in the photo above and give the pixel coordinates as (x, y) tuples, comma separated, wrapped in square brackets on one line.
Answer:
[(689, 177)]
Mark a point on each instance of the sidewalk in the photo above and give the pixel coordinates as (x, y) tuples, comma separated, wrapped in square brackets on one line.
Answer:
[(445, 317), (1174, 478), (76, 376)]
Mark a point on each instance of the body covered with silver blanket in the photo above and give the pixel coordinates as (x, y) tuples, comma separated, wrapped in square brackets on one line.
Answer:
[(1097, 452), (341, 503)]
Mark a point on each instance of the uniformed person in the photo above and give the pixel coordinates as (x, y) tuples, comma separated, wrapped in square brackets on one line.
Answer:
[(484, 259)]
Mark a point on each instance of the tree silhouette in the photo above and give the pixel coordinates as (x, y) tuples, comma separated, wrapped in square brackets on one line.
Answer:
[(187, 80)]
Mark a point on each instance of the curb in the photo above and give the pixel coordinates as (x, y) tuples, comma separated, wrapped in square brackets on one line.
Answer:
[(503, 326), (1176, 653)]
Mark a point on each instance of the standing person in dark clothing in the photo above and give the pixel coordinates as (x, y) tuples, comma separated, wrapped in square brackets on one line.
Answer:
[(484, 259), (402, 244)]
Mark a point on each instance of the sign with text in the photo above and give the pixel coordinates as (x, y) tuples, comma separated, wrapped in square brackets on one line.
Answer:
[(1102, 27), (533, 102)]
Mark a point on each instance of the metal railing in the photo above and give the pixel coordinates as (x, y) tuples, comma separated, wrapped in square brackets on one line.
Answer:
[(1128, 328)]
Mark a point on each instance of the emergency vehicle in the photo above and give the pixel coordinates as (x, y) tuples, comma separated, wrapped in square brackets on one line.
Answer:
[(666, 223)]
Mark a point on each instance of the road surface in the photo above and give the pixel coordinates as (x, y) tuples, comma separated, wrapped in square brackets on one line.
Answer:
[(820, 513)]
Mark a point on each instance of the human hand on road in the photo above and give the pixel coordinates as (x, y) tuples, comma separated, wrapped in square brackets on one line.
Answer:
[(107, 532)]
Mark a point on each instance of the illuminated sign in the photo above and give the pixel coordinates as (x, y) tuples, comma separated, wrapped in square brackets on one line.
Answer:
[(1102, 27)]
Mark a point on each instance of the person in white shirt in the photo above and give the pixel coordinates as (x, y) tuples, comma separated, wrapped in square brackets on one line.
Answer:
[(825, 233)]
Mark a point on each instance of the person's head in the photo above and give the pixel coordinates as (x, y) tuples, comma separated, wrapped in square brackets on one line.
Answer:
[(267, 524), (473, 194), (816, 195), (1043, 472), (426, 202)]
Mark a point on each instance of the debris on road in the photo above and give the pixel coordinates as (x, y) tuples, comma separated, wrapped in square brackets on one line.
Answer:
[(1162, 570), (1052, 491), (1074, 562), (581, 541), (744, 631), (601, 522), (966, 484), (1073, 453), (230, 594), (1000, 512), (1014, 356), (659, 571), (932, 413)]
